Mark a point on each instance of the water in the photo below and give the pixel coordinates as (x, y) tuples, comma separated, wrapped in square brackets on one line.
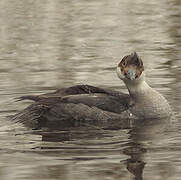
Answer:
[(50, 44)]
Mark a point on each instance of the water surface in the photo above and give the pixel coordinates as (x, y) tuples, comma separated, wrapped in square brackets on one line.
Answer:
[(52, 44)]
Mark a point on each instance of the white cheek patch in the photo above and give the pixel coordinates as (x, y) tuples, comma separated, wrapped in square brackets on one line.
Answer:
[(119, 73)]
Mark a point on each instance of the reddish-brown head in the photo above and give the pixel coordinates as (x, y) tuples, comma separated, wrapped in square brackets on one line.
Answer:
[(130, 67)]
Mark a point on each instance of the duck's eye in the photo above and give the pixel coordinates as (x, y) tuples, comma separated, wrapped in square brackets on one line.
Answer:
[(124, 63)]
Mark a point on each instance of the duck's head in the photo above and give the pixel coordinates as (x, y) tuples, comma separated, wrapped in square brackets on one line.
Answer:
[(130, 68)]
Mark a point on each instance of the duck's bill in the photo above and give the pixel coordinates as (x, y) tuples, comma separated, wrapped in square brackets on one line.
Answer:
[(131, 74)]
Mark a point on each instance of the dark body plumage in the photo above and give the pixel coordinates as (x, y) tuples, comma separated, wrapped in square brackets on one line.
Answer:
[(79, 105)]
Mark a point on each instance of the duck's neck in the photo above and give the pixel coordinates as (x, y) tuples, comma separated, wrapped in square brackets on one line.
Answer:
[(138, 88)]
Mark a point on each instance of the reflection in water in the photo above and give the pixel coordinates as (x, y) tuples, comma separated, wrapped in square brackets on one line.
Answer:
[(142, 135), (135, 164), (143, 131)]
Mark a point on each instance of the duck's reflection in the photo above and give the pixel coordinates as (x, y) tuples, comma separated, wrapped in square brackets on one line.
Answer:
[(135, 164), (142, 134), (143, 131), (73, 133)]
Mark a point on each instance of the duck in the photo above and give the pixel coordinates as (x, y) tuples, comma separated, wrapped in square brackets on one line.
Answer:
[(89, 105)]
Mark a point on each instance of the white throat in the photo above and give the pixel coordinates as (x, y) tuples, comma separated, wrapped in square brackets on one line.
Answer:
[(135, 87)]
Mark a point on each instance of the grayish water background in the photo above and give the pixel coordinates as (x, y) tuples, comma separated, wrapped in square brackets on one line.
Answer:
[(51, 44)]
